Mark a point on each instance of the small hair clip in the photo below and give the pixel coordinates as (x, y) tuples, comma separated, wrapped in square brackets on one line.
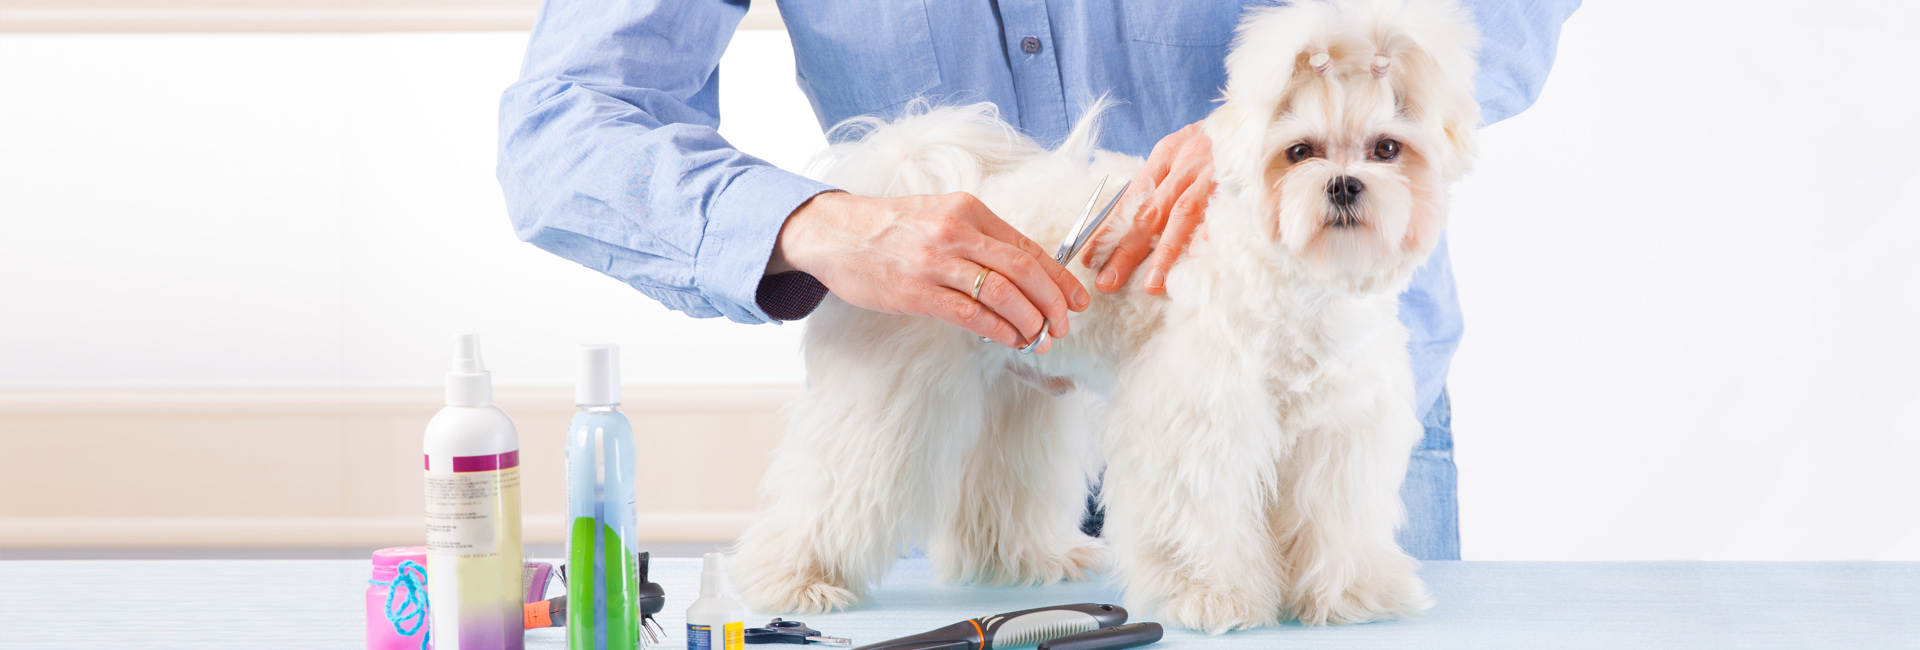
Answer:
[(1320, 61), (1380, 63)]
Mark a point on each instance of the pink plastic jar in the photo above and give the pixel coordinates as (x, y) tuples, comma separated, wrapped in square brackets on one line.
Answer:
[(381, 634)]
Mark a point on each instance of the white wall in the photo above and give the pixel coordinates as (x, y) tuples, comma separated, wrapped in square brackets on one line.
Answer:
[(1691, 272), (1692, 283), (317, 208)]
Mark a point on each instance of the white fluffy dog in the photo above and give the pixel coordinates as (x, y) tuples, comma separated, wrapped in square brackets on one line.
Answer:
[(1257, 419)]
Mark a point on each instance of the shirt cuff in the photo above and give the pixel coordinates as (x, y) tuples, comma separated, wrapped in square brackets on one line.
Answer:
[(790, 296), (742, 226)]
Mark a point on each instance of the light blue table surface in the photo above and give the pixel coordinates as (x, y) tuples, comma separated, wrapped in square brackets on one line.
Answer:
[(319, 604)]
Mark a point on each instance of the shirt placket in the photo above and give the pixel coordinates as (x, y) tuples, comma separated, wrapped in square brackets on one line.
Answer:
[(1028, 38)]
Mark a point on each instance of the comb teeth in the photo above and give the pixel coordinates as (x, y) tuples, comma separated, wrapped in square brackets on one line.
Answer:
[(1034, 635)]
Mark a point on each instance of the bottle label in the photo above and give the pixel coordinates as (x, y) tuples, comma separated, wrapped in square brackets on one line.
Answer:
[(733, 637), (476, 585), (462, 505)]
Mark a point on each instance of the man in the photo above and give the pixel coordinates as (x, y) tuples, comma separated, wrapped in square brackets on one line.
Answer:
[(609, 157)]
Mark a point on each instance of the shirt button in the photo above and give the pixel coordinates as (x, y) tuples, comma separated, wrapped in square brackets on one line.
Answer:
[(1030, 45)]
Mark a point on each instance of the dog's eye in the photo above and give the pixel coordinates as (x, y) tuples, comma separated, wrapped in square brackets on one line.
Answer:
[(1299, 152), (1386, 149)]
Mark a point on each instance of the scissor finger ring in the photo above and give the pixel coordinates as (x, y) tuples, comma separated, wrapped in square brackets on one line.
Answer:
[(1037, 340)]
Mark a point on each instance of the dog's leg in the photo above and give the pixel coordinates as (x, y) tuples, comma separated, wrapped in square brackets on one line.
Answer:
[(1190, 477), (1015, 520), (869, 451), (1335, 527)]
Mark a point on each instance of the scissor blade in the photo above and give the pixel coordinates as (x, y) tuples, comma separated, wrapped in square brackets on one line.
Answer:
[(1065, 251), (1086, 231)]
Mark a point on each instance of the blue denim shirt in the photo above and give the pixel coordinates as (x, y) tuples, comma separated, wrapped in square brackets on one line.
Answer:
[(609, 155)]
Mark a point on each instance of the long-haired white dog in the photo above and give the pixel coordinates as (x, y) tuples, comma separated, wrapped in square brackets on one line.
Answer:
[(1257, 419)]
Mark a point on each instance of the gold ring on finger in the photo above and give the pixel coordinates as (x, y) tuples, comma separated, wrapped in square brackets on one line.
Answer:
[(980, 281)]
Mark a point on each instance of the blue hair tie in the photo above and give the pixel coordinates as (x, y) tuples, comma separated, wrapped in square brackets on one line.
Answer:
[(414, 609)]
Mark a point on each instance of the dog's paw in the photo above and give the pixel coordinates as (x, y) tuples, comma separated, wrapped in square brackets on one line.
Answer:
[(1218, 611), (796, 595), (1084, 558), (1087, 557), (772, 577), (1391, 592)]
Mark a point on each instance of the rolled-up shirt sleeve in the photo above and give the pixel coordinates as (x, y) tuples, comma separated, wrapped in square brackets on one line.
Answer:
[(1518, 39), (610, 157)]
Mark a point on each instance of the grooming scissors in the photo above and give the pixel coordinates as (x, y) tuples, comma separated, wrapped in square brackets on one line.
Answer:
[(1076, 240)]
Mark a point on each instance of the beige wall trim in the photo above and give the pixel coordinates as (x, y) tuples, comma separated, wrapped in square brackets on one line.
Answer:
[(292, 16), (306, 532), (326, 466), (83, 400)]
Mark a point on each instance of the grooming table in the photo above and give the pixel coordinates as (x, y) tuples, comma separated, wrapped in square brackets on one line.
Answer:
[(319, 604)]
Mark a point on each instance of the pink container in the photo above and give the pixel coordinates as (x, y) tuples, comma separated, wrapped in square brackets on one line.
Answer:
[(408, 603)]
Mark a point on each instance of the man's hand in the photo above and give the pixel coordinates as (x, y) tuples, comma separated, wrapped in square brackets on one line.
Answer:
[(920, 255), (1179, 178)]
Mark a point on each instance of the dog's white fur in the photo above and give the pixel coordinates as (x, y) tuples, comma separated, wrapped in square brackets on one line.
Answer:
[(1258, 417)]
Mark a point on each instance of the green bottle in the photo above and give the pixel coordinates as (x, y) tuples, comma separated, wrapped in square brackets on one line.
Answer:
[(603, 608)]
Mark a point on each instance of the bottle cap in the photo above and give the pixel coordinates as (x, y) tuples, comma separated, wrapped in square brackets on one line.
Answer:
[(599, 381), (388, 558), (468, 383)]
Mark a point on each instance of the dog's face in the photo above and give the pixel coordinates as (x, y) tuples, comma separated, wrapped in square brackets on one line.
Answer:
[(1352, 187), (1345, 162)]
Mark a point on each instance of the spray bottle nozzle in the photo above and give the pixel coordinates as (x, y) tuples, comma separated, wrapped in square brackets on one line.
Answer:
[(468, 383), (466, 354), (711, 581)]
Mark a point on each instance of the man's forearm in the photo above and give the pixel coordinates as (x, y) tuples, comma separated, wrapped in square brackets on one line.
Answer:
[(619, 167)]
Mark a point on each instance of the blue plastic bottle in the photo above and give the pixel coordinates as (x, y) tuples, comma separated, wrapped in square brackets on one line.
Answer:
[(603, 609)]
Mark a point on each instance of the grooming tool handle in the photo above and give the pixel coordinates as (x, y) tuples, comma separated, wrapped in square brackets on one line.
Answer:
[(1033, 626), (963, 635), (1026, 627), (1112, 638)]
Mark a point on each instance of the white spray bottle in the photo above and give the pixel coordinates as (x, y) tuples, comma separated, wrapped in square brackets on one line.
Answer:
[(715, 621), (474, 569)]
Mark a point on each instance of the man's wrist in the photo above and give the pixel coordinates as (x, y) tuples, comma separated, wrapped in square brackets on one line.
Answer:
[(791, 245), (787, 290)]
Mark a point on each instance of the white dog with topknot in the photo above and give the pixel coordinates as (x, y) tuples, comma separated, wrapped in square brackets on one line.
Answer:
[(1256, 420)]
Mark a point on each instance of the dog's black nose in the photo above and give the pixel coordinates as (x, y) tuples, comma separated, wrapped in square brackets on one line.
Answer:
[(1343, 191)]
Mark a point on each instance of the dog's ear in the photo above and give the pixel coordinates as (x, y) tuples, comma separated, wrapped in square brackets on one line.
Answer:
[(1427, 49), (1275, 49)]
